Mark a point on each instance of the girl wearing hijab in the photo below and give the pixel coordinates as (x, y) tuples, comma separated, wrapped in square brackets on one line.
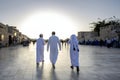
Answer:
[(74, 52)]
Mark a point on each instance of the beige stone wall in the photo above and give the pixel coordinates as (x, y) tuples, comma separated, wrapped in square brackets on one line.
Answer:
[(87, 36), (108, 32), (4, 35)]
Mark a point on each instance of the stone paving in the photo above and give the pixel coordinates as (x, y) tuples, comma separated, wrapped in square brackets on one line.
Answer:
[(96, 63)]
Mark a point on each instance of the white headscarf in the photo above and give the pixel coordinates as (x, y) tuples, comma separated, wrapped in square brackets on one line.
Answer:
[(74, 40)]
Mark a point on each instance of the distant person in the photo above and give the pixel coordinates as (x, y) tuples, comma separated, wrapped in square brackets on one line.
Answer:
[(74, 52), (53, 43), (108, 43), (40, 49), (101, 42)]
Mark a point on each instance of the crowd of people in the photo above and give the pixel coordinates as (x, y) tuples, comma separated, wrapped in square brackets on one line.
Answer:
[(115, 43), (54, 44)]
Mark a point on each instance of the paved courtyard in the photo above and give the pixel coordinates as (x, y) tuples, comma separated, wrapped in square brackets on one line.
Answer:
[(96, 63)]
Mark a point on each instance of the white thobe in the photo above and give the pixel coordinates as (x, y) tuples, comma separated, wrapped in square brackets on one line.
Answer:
[(53, 43), (40, 50), (74, 54)]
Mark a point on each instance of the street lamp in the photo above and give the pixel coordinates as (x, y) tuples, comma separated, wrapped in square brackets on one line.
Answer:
[(15, 34), (2, 37)]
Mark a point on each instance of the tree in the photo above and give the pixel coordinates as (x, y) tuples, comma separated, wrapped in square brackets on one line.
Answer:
[(103, 23), (98, 25)]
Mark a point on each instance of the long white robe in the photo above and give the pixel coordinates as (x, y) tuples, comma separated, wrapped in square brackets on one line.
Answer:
[(53, 43), (40, 50), (74, 54)]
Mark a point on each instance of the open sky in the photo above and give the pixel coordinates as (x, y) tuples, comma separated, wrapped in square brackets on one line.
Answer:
[(66, 17)]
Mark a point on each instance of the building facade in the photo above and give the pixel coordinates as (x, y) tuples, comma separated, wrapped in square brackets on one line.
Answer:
[(3, 35), (110, 32), (87, 35), (10, 35)]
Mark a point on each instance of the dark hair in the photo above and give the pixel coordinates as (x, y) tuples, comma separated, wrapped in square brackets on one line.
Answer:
[(53, 33), (41, 35)]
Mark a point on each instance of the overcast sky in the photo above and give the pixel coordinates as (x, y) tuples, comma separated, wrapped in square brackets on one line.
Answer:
[(81, 12)]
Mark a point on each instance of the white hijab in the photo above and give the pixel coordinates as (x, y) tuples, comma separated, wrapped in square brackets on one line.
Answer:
[(74, 40)]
